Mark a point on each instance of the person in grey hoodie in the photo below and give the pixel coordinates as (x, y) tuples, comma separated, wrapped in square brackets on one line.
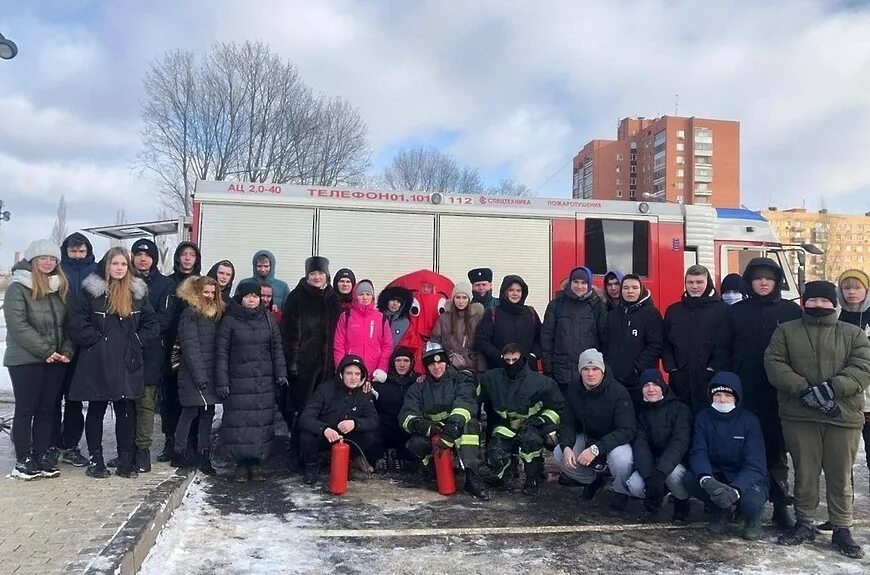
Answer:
[(264, 271)]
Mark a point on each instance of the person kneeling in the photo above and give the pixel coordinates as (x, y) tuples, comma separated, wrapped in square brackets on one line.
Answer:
[(597, 425), (664, 432), (444, 395), (340, 410), (727, 462)]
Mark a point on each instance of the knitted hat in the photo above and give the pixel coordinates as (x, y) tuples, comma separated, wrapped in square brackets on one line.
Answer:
[(316, 264), (859, 275), (246, 288), (480, 275), (652, 375), (42, 248), (344, 273), (402, 351), (364, 286), (591, 357), (462, 287), (148, 247), (822, 289), (734, 282)]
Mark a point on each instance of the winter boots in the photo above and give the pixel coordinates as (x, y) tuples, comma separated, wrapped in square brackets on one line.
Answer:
[(181, 459), (798, 534), (682, 507), (752, 529), (843, 542), (143, 460), (26, 468), (534, 470), (783, 516), (312, 474), (73, 456), (126, 466), (168, 450), (204, 464), (474, 485), (96, 466)]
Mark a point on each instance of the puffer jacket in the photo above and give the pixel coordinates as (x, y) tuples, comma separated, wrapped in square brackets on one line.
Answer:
[(509, 323), (634, 340), (605, 414), (110, 363), (197, 386), (664, 431), (572, 324), (77, 270), (332, 403), (249, 360), (811, 350), (459, 345), (364, 331), (34, 328), (391, 393), (453, 395)]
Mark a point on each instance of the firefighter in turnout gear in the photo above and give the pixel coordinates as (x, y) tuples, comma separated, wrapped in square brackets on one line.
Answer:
[(444, 403), (527, 406)]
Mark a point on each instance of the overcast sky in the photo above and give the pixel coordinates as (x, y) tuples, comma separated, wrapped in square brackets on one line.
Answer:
[(513, 88)]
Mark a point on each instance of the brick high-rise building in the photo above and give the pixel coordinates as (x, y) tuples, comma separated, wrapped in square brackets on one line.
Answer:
[(690, 160)]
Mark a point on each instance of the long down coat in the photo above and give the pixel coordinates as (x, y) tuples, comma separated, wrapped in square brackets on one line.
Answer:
[(249, 359), (197, 330)]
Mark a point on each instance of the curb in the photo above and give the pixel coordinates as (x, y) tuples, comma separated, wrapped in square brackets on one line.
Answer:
[(125, 552)]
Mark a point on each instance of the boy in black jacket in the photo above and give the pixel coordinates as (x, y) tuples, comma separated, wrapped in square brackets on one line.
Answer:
[(389, 397)]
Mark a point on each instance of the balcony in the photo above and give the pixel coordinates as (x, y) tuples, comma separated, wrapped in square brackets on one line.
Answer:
[(705, 153), (706, 193), (703, 178)]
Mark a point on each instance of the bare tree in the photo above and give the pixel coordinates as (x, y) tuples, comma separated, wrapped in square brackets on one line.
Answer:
[(244, 111), (511, 188), (59, 230)]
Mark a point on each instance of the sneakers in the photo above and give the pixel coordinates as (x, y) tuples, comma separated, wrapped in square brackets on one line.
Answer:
[(96, 466), (143, 460), (394, 462), (113, 462), (783, 516), (312, 474), (26, 469), (752, 529), (843, 542), (73, 456), (682, 507), (797, 535), (47, 465), (826, 526), (205, 465), (381, 466), (53, 454)]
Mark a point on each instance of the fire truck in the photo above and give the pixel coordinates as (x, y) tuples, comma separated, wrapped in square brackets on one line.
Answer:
[(383, 234)]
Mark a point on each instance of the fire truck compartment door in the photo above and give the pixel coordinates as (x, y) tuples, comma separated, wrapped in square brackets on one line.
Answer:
[(507, 245)]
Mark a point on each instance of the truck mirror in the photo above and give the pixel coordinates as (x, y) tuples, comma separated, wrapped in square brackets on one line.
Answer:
[(802, 278), (802, 258)]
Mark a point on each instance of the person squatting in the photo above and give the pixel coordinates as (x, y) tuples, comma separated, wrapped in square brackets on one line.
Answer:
[(704, 401)]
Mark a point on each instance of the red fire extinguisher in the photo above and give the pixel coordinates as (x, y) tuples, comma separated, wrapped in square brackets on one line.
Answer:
[(339, 466), (443, 467)]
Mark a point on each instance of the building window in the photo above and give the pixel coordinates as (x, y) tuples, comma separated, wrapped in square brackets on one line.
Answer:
[(617, 245), (618, 157), (681, 134), (679, 185), (618, 169), (681, 160), (632, 169), (633, 145), (632, 182), (618, 193), (618, 181), (681, 146), (681, 172), (633, 157)]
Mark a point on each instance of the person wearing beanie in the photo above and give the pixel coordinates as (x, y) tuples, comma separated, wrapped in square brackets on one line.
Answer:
[(741, 345), (690, 328), (364, 331), (481, 285), (264, 263), (664, 432), (727, 468), (161, 292), (455, 329), (112, 318), (820, 368), (733, 289), (344, 282), (597, 426), (612, 289), (309, 318), (526, 407), (634, 336), (395, 303), (575, 320), (38, 353), (249, 364), (512, 321), (389, 397), (341, 409), (444, 403), (224, 272)]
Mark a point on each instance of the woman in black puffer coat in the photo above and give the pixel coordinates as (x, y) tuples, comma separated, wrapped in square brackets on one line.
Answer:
[(249, 363), (197, 388)]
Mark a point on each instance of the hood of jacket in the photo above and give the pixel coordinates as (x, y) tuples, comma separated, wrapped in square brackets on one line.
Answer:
[(505, 284), (272, 263), (644, 300), (212, 273), (768, 263), (197, 268), (406, 352), (404, 295), (79, 239), (710, 294), (842, 301), (569, 293), (193, 297), (96, 285)]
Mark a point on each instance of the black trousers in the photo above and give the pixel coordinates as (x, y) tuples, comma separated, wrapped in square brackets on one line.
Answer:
[(313, 444), (125, 425), (170, 407), (68, 417), (35, 387), (394, 437), (866, 433), (204, 417)]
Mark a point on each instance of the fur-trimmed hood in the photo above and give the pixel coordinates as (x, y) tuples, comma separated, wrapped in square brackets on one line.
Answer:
[(96, 286), (402, 294), (187, 291)]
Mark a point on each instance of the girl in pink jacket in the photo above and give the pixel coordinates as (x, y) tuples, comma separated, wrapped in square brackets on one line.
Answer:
[(364, 331)]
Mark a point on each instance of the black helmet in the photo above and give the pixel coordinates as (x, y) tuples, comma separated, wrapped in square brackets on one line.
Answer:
[(432, 353)]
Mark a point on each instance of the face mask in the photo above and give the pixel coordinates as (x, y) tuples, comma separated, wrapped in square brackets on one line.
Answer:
[(513, 369), (819, 311), (724, 407), (732, 297)]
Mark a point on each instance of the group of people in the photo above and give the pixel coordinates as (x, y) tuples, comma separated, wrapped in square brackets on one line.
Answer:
[(750, 378)]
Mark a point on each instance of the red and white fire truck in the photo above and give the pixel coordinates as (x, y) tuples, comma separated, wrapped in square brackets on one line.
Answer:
[(383, 234)]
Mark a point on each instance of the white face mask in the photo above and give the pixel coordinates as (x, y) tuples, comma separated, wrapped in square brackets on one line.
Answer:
[(732, 297), (724, 407)]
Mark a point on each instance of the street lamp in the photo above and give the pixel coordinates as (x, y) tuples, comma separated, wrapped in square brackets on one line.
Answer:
[(4, 215), (8, 49)]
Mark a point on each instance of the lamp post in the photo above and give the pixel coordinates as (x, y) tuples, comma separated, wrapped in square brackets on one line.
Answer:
[(4, 215), (8, 49)]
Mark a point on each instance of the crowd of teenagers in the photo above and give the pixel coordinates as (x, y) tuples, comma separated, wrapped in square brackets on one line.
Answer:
[(705, 401)]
